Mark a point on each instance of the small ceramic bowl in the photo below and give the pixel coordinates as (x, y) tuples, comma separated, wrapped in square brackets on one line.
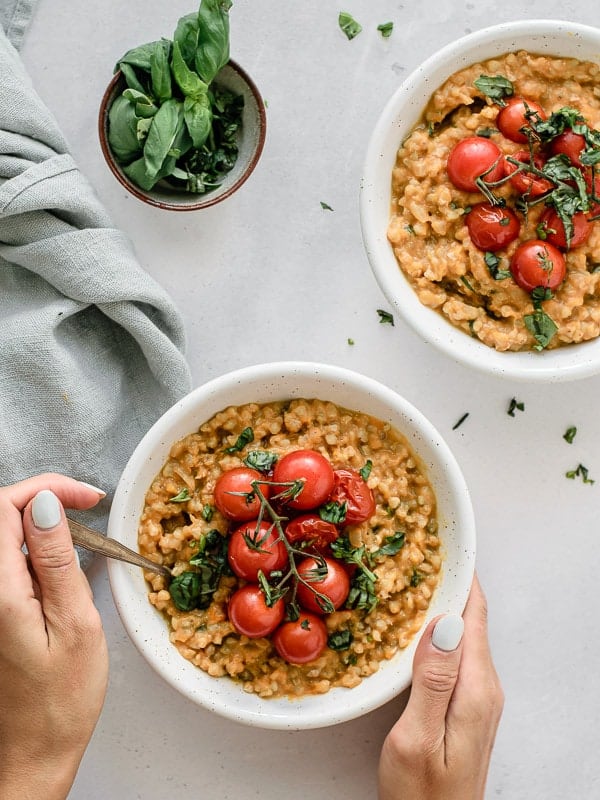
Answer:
[(402, 112), (267, 383), (251, 143)]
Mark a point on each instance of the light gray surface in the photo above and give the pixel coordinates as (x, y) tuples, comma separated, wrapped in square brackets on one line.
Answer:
[(269, 275)]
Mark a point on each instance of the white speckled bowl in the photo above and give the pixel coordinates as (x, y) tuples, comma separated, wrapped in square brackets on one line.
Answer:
[(265, 383), (400, 115)]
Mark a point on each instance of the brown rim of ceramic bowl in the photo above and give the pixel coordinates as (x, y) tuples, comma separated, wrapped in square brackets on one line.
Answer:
[(210, 199)]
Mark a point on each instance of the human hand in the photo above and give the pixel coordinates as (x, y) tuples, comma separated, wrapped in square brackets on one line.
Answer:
[(440, 747), (53, 655)]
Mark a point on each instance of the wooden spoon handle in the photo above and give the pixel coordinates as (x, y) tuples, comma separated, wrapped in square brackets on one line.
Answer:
[(92, 540)]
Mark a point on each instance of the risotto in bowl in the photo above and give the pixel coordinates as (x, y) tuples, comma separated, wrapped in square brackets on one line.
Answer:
[(480, 200), (313, 522)]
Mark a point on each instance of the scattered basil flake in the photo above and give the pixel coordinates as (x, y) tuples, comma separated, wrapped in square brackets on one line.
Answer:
[(466, 282), (569, 434), (410, 229), (350, 341), (386, 28), (496, 88), (245, 437), (326, 207), (392, 545), (365, 471), (385, 317), (182, 497), (579, 472), (349, 25), (485, 133), (305, 625), (460, 421), (207, 512), (416, 578), (515, 405), (260, 460), (185, 590), (340, 640)]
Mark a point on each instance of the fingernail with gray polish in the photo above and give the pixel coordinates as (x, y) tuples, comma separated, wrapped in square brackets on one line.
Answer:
[(448, 632), (101, 492), (46, 510)]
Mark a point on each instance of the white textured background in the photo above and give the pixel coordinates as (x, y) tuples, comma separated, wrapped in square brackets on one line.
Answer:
[(269, 275)]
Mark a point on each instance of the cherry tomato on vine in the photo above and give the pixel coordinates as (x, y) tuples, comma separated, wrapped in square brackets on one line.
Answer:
[(554, 230), (492, 227), (516, 114), (526, 182), (250, 550), (472, 158), (234, 496), (311, 528), (537, 263), (350, 488), (315, 471), (569, 144), (302, 640), (250, 615), (335, 585)]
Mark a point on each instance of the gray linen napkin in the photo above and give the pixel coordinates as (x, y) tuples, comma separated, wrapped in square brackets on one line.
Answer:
[(91, 347)]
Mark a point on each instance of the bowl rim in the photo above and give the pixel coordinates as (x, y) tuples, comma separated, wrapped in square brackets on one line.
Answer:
[(566, 363), (227, 698), (209, 199)]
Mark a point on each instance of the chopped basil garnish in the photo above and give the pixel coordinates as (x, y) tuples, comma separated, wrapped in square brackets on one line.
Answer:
[(260, 460), (185, 590), (340, 640), (416, 578), (207, 512), (326, 207), (515, 405), (386, 28), (245, 437), (492, 262), (496, 88), (365, 471), (182, 497), (579, 472), (333, 512), (541, 327), (392, 545), (460, 421)]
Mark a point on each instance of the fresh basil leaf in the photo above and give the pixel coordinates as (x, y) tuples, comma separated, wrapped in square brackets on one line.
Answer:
[(581, 472), (144, 107), (198, 119), (558, 121), (187, 80), (416, 578), (131, 78), (492, 262), (460, 421), (325, 206), (495, 87), (160, 71), (349, 25), (122, 130), (385, 317), (186, 37), (161, 136), (541, 327), (515, 405), (365, 471), (569, 434), (182, 497), (393, 545), (333, 512), (213, 38), (140, 56)]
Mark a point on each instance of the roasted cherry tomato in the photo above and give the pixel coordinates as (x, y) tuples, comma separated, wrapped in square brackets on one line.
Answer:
[(516, 115), (537, 263), (312, 529), (302, 640), (569, 144), (334, 586), (554, 230), (526, 182), (250, 550), (250, 615), (472, 158), (350, 488), (234, 496), (594, 204), (313, 469), (491, 227)]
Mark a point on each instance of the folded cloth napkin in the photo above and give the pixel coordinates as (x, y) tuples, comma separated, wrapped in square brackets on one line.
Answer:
[(91, 347)]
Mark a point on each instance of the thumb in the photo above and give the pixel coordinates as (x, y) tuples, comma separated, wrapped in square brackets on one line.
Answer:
[(435, 672), (52, 557)]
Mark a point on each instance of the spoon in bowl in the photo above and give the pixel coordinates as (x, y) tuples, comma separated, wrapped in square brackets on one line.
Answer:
[(92, 540)]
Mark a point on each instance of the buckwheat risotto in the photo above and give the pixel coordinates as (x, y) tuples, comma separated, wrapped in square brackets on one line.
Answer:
[(399, 542), (477, 287)]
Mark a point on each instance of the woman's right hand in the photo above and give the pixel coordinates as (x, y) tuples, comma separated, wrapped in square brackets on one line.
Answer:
[(440, 747), (53, 654)]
